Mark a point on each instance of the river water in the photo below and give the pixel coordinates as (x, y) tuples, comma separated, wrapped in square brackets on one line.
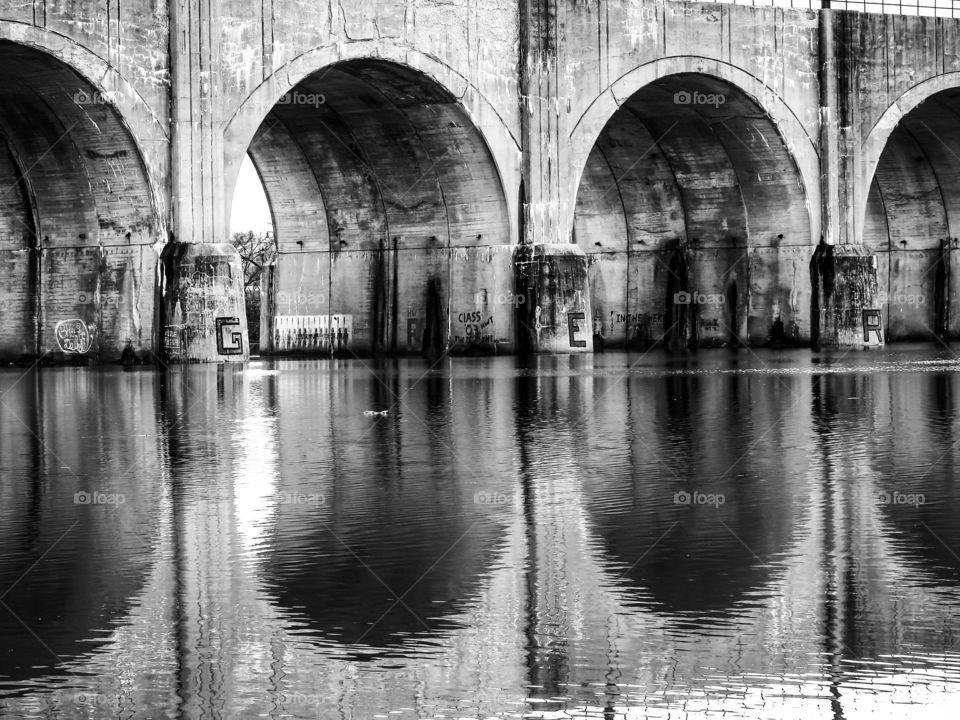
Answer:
[(757, 535)]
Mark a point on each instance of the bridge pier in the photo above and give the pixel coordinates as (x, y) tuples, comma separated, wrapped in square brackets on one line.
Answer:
[(844, 312), (550, 270), (556, 317), (202, 314), (843, 304)]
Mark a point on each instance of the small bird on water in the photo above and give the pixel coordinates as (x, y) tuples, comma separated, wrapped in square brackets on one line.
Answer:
[(381, 413)]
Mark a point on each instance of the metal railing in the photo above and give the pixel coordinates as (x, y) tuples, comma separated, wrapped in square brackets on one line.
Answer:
[(928, 8)]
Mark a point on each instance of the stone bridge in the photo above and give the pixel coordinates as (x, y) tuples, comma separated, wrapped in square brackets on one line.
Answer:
[(475, 175)]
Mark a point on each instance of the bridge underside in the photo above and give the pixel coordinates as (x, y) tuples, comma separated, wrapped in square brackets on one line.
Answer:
[(400, 188), (390, 218), (692, 212), (77, 218)]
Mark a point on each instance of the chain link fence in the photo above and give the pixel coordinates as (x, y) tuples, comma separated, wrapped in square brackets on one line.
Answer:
[(929, 8)]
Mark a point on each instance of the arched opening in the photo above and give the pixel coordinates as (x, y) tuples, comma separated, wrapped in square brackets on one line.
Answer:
[(691, 201), (913, 217), (77, 218), (391, 221)]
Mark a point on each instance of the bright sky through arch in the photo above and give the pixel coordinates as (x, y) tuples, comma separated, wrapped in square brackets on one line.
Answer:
[(250, 208)]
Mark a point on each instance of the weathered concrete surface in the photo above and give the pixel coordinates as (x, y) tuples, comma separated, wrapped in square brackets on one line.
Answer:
[(409, 147), (202, 315), (899, 77), (844, 307), (81, 207), (555, 317), (702, 131), (714, 176), (387, 137)]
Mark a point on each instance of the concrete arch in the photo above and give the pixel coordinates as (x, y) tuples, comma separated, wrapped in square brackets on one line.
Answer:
[(906, 208), (714, 200), (875, 142), (393, 214), (587, 129), (146, 128), (501, 142), (88, 216)]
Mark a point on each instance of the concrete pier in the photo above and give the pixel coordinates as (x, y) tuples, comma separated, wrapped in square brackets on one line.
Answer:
[(202, 313), (555, 318), (420, 159), (844, 309)]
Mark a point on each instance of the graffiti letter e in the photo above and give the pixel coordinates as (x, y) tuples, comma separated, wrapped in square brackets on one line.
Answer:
[(575, 328)]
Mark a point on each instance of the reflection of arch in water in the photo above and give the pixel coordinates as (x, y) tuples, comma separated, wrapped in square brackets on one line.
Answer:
[(909, 451), (397, 547), (921, 459), (70, 569), (889, 564), (569, 427), (706, 434)]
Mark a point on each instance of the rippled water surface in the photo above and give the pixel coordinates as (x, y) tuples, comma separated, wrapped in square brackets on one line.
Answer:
[(732, 534)]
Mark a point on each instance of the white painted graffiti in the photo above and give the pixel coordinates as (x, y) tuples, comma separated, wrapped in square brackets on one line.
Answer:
[(293, 333), (73, 336)]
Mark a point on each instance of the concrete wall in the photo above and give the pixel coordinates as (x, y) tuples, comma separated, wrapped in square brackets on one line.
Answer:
[(407, 147)]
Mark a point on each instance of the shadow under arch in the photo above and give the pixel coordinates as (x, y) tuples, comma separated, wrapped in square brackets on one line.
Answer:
[(693, 210), (81, 217), (499, 132), (800, 136), (390, 214), (909, 211)]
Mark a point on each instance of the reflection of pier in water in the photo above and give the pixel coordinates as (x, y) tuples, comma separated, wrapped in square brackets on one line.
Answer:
[(243, 588)]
